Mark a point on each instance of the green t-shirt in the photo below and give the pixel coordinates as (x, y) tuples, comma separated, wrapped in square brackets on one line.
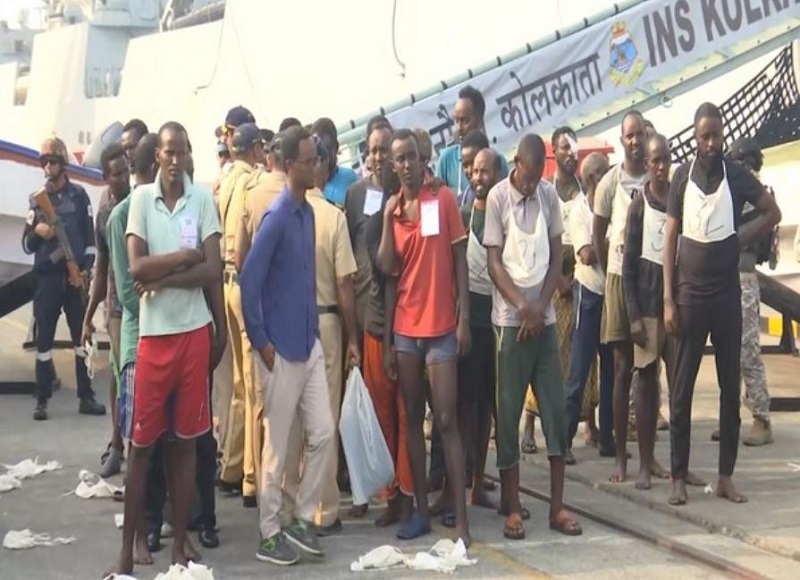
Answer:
[(192, 221), (480, 305), (126, 294)]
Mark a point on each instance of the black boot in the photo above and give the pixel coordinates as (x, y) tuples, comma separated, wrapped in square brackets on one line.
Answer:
[(89, 406), (40, 414)]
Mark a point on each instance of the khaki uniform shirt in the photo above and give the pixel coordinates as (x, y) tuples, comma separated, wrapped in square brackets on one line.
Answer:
[(334, 253), (230, 196), (260, 191)]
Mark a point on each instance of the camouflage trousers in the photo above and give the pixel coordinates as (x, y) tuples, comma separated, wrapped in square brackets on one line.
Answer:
[(754, 374)]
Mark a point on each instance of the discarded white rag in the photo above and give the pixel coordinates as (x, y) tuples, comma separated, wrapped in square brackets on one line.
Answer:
[(9, 482), (94, 486), (175, 572), (28, 468), (444, 556), (119, 520), (25, 539)]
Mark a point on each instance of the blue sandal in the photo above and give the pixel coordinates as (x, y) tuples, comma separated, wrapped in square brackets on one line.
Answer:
[(449, 518), (415, 527)]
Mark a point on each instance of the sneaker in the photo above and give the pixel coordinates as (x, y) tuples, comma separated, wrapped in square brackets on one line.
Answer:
[(302, 535), (276, 550), (40, 414), (112, 465), (89, 406)]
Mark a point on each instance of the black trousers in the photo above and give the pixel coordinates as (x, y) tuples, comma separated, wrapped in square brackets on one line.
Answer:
[(204, 508), (54, 293), (722, 319)]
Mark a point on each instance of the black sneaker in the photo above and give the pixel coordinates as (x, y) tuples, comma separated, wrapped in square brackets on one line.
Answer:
[(301, 534), (89, 406), (276, 550), (40, 414)]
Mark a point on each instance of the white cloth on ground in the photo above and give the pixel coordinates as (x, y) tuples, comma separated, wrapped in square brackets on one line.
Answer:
[(94, 486), (28, 468), (444, 556), (9, 482), (175, 572), (25, 539)]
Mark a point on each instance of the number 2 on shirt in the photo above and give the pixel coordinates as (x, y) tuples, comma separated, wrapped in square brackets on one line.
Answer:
[(188, 232), (429, 217)]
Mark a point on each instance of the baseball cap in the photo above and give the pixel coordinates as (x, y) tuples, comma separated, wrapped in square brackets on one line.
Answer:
[(238, 115), (245, 137)]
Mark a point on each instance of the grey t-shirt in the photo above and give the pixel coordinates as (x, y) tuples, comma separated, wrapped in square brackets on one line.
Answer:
[(503, 204), (616, 210)]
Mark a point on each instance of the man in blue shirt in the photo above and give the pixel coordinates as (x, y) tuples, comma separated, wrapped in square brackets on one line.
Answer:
[(278, 283), (468, 116), (341, 177)]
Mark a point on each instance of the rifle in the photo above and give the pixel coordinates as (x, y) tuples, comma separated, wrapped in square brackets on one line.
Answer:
[(73, 271)]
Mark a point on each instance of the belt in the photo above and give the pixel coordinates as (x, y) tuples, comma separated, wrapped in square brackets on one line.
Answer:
[(230, 276), (334, 309)]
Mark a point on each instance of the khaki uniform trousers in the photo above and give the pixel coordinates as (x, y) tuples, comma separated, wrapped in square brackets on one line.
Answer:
[(236, 458), (294, 394), (330, 331)]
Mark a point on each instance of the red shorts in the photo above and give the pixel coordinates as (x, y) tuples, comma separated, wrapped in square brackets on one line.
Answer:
[(172, 386)]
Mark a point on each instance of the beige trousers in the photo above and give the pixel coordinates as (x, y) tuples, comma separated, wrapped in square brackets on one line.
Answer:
[(233, 453), (294, 391), (330, 332)]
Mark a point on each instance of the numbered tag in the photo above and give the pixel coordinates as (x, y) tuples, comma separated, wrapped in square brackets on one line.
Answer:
[(188, 232), (372, 201), (429, 217)]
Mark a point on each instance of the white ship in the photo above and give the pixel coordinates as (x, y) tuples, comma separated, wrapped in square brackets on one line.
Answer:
[(94, 64)]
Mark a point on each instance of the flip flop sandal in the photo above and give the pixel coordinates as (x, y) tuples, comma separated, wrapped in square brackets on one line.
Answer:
[(414, 528), (449, 519), (514, 532), (567, 526), (119, 495), (529, 447), (524, 513)]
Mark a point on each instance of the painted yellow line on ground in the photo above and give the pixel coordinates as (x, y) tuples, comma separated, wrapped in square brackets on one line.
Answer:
[(514, 567), (14, 323)]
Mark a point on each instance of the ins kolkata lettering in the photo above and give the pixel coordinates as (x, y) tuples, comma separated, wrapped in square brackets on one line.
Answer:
[(578, 81)]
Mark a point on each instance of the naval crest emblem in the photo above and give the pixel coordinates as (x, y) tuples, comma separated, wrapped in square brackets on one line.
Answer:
[(626, 66)]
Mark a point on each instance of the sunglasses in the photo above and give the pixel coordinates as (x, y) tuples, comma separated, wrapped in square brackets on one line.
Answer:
[(46, 160)]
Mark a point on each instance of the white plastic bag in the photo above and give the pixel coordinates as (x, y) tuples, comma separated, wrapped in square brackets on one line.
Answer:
[(369, 462), (26, 539)]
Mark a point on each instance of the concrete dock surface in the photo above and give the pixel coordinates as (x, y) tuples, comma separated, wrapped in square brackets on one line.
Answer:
[(627, 533)]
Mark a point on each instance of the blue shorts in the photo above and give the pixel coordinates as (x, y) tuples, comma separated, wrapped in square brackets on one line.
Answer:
[(434, 350), (125, 407)]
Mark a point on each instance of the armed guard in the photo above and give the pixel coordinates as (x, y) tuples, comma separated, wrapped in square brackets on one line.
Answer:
[(55, 292)]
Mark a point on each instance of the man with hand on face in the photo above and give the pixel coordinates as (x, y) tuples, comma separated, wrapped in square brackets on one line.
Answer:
[(702, 294), (643, 281), (173, 248), (278, 282), (53, 290), (613, 197), (422, 243), (523, 236), (115, 171)]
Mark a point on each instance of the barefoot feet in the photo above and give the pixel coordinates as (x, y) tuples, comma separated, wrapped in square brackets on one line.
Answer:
[(726, 490), (678, 495)]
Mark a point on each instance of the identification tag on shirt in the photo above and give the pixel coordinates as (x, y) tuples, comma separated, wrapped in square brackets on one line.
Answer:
[(188, 232), (372, 201), (429, 216)]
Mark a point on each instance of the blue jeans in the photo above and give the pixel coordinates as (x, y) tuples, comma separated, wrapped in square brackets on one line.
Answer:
[(584, 347)]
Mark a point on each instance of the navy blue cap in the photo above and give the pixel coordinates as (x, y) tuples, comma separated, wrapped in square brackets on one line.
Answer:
[(238, 116), (246, 137)]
